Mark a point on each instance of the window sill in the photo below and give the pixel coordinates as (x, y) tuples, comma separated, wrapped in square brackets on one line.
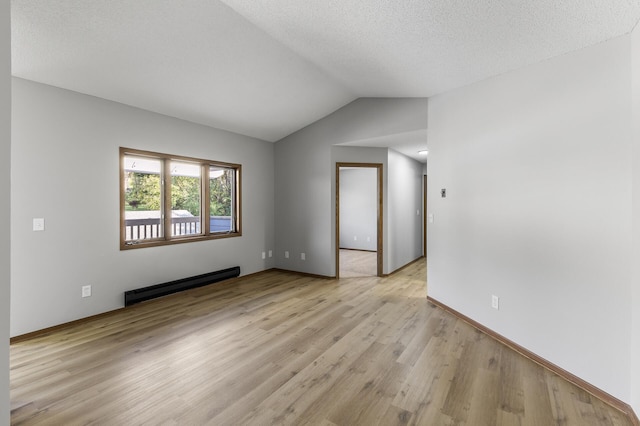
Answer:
[(179, 240)]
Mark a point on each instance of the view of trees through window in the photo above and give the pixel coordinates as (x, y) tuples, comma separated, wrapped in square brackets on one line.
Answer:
[(185, 187), (143, 185), (221, 191), (144, 197), (143, 192)]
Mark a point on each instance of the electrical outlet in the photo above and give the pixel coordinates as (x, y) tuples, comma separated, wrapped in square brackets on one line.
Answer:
[(264, 255), (86, 291), (286, 254), (355, 238), (270, 253), (303, 256), (38, 224), (495, 302)]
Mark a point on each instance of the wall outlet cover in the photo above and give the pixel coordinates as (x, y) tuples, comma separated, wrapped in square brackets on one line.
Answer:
[(495, 302), (86, 291), (38, 224)]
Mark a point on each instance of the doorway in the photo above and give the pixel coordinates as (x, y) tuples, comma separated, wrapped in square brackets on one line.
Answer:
[(359, 216)]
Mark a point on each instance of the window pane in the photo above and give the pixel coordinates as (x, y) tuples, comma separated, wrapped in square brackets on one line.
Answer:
[(222, 193), (143, 198), (186, 192)]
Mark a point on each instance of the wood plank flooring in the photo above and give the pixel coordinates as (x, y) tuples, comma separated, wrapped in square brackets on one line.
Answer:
[(281, 348)]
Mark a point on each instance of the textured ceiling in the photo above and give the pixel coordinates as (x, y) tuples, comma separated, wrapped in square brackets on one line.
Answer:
[(424, 47), (196, 60), (269, 68)]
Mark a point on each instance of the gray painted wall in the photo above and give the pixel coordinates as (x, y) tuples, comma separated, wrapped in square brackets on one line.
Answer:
[(538, 171), (65, 169), (635, 284), (404, 210), (5, 210), (358, 209), (305, 176)]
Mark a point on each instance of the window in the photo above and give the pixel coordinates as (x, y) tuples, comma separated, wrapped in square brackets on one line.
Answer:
[(165, 199)]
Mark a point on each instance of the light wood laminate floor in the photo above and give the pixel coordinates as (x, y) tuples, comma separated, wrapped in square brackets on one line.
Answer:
[(281, 348)]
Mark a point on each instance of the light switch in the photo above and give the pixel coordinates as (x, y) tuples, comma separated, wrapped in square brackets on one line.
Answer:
[(38, 224), (430, 217)]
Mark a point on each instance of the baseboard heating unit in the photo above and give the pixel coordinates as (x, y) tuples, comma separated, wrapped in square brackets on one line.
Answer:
[(159, 290)]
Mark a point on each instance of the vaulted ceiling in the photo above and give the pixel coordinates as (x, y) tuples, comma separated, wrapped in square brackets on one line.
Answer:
[(268, 68)]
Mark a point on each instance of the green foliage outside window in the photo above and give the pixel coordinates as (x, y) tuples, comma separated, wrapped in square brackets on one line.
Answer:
[(221, 194), (143, 192), (185, 194)]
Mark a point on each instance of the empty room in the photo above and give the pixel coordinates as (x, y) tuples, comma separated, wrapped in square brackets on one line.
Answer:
[(364, 212)]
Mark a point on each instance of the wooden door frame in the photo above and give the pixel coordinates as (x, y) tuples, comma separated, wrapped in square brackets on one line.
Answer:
[(379, 237)]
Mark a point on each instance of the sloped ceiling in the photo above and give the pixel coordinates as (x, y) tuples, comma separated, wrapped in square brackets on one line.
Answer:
[(268, 68)]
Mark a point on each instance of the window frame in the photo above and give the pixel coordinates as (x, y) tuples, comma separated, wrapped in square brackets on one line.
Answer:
[(165, 189)]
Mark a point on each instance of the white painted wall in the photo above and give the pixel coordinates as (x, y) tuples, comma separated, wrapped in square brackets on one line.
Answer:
[(5, 211), (358, 209), (635, 283), (537, 167), (305, 175), (65, 169)]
